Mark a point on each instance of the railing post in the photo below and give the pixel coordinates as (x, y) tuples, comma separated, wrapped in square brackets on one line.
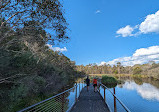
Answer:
[(82, 84), (79, 87), (104, 94), (99, 88), (76, 93), (115, 110), (63, 100)]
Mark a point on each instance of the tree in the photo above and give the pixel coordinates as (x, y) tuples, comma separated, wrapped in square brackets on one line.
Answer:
[(48, 14), (119, 67), (137, 70), (20, 70), (27, 65)]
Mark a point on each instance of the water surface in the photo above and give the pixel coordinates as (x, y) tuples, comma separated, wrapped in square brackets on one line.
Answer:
[(137, 95)]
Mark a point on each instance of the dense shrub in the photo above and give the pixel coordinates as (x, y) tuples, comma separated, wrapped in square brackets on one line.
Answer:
[(109, 81)]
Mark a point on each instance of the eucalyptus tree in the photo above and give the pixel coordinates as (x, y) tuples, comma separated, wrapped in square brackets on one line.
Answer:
[(48, 14), (119, 67)]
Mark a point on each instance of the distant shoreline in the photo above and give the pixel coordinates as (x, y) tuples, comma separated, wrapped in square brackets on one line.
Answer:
[(125, 75)]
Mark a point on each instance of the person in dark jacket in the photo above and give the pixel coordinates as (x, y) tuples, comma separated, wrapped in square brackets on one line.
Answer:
[(87, 82)]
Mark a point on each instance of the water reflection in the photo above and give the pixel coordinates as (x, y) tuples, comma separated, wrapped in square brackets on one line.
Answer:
[(138, 94), (145, 90)]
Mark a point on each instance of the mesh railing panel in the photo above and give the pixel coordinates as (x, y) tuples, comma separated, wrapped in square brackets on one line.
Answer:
[(59, 103)]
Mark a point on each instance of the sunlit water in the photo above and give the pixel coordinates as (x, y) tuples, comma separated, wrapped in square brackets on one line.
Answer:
[(138, 98), (71, 97), (142, 97)]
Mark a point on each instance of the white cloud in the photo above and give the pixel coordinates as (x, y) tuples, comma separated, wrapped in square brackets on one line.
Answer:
[(98, 11), (125, 31), (146, 91), (57, 48), (149, 25), (102, 63), (141, 56), (147, 51)]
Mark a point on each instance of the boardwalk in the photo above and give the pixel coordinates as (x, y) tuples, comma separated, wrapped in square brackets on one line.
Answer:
[(90, 102)]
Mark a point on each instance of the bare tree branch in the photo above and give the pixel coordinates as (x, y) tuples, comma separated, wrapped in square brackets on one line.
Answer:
[(15, 24), (12, 17), (3, 6)]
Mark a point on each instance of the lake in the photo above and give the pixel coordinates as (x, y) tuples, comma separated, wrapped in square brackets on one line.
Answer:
[(139, 95)]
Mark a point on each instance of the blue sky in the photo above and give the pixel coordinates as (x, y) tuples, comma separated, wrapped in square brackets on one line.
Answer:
[(104, 30)]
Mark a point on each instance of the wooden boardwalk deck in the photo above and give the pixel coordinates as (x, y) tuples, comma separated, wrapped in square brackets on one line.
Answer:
[(90, 101)]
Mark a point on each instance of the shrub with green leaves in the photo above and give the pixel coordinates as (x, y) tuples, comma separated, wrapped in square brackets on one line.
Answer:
[(109, 81)]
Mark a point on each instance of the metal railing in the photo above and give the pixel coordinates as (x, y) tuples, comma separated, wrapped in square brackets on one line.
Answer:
[(62, 102), (113, 102)]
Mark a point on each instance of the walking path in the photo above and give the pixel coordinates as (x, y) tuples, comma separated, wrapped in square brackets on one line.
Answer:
[(90, 101)]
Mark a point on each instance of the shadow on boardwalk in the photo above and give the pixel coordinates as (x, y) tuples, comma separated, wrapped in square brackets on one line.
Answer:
[(90, 102)]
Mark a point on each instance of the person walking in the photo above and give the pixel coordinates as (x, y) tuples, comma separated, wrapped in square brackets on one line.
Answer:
[(87, 82), (95, 84)]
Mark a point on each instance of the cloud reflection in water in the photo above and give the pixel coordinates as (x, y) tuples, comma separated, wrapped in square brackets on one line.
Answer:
[(146, 91)]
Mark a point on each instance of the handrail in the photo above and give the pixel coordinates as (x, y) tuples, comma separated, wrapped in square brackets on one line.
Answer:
[(117, 98), (46, 100)]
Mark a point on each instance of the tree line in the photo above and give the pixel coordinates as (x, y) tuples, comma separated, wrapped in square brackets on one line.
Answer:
[(150, 69), (29, 70)]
